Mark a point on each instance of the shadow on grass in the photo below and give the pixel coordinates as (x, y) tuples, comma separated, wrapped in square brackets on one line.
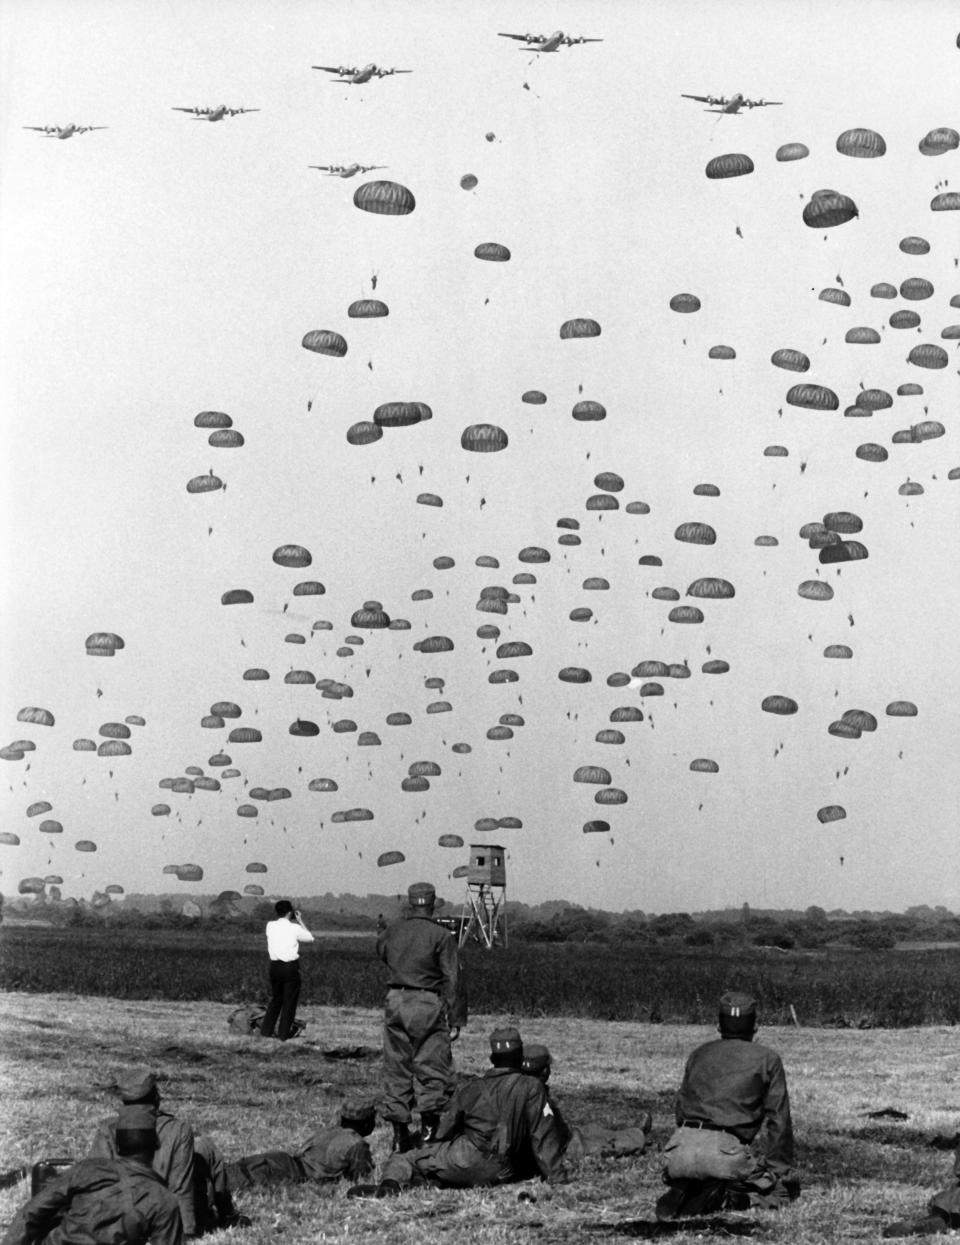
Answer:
[(652, 1229)]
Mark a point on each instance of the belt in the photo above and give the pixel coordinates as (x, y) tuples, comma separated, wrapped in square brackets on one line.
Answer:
[(707, 1126)]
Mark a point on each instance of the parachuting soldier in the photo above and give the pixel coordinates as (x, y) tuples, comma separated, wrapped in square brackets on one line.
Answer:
[(340, 1150), (591, 1138), (425, 1009), (191, 1167), (120, 1199), (733, 1146), (491, 1128)]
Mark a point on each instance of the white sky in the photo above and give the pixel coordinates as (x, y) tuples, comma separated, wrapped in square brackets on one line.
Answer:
[(164, 266)]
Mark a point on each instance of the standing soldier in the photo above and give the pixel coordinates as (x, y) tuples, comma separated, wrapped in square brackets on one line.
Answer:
[(733, 1146), (105, 1199), (424, 1012)]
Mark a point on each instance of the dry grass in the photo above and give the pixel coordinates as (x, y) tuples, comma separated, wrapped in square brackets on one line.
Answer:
[(61, 1052)]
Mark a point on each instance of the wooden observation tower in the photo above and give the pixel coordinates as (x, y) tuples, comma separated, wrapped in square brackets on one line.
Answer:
[(484, 915)]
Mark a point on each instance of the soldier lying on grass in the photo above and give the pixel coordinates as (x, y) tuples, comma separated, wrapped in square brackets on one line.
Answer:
[(340, 1150)]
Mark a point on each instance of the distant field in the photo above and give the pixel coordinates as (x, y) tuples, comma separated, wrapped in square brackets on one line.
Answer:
[(857, 989), (61, 1052)]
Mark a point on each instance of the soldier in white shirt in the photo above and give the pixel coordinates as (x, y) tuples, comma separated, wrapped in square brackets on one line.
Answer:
[(284, 936)]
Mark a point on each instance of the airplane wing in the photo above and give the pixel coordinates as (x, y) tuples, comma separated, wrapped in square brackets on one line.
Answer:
[(523, 38), (703, 99), (174, 108), (338, 69), (368, 168), (85, 129), (234, 112), (581, 39), (43, 129), (385, 73), (761, 103), (324, 168)]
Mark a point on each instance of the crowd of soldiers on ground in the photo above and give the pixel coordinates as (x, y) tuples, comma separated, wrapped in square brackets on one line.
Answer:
[(148, 1177)]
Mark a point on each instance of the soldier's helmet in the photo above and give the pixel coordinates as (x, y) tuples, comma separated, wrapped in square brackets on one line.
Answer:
[(421, 895), (737, 1013)]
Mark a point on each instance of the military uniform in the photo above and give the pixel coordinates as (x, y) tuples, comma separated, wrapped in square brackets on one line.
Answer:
[(121, 1201), (734, 1131), (485, 1135), (424, 1001), (173, 1161), (330, 1153)]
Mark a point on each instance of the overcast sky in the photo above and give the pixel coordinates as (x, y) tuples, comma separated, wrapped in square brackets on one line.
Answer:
[(165, 266)]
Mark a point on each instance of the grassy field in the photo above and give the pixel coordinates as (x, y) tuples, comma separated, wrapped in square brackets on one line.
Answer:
[(856, 989), (62, 1051)]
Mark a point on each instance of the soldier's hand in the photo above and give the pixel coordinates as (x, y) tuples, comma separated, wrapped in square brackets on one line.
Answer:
[(454, 1032)]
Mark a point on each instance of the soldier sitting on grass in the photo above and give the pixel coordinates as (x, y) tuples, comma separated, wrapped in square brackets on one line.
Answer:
[(118, 1199), (191, 1167), (493, 1127), (340, 1150), (733, 1146), (591, 1139)]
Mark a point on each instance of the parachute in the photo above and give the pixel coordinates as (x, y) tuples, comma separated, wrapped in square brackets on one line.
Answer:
[(226, 439), (783, 705), (927, 355), (901, 709), (703, 765), (839, 297), (862, 336), (367, 309), (575, 674), (363, 433), (212, 419), (827, 208), (37, 717), (871, 452), (468, 181), (685, 303), (610, 795), (696, 534), (813, 397), (85, 845), (493, 251), (733, 164), (50, 827), (914, 246), (309, 588), (838, 650), (767, 541), (596, 827), (384, 198), (815, 590), (706, 490), (710, 588), (534, 397), (581, 327), (401, 414), (390, 858), (831, 812), (685, 614), (322, 784), (721, 352), (716, 666), (483, 438), (792, 151), (429, 499), (776, 451), (938, 142), (589, 412), (665, 594), (41, 806), (292, 555), (256, 866), (114, 748), (861, 144), (948, 201), (533, 553), (637, 507), (199, 484), (883, 289), (791, 360)]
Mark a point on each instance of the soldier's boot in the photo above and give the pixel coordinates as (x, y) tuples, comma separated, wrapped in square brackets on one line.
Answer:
[(227, 1214), (402, 1141), (429, 1123)]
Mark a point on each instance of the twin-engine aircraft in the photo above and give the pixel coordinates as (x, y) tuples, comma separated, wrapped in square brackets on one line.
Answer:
[(548, 43), (357, 77), (346, 170), (732, 105), (64, 131), (215, 114)]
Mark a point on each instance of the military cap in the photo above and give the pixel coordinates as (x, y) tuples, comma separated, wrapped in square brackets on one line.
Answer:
[(504, 1040), (136, 1084), (358, 1109), (738, 1005), (421, 894), (536, 1059), (738, 1013)]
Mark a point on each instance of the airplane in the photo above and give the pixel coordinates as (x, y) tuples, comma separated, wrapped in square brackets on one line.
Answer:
[(64, 131), (214, 114), (732, 105), (548, 43), (357, 77), (346, 170)]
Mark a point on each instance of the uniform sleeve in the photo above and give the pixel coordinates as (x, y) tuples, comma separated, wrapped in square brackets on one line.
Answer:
[(180, 1178), (776, 1137), (451, 1121), (545, 1140), (166, 1226), (359, 1161), (41, 1214), (454, 995)]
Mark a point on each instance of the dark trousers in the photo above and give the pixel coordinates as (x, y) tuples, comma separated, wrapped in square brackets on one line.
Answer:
[(284, 993)]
